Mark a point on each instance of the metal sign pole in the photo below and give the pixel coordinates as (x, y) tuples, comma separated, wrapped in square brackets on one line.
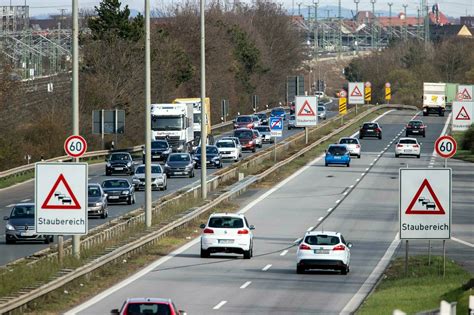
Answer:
[(444, 258), (406, 258), (116, 128), (148, 196), (275, 150), (203, 96), (76, 239), (306, 135), (429, 252), (102, 127), (60, 249)]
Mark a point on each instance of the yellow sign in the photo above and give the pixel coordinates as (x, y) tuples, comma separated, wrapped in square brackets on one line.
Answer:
[(388, 94), (343, 106), (434, 98), (367, 94)]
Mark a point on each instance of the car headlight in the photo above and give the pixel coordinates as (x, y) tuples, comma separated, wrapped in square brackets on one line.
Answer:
[(125, 192), (98, 204), (189, 166), (108, 164), (215, 158), (129, 164), (9, 227), (166, 165), (196, 158)]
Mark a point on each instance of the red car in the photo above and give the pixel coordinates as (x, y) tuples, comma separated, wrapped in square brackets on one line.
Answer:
[(246, 138), (244, 122), (154, 306)]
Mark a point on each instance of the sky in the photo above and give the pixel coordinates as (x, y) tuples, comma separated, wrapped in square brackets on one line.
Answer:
[(453, 8)]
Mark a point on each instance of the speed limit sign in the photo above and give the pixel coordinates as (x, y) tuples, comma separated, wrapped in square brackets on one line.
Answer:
[(75, 146), (445, 146)]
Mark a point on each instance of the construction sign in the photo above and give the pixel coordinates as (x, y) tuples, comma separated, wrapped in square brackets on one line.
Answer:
[(342, 106), (306, 111), (388, 91), (462, 115), (425, 203), (61, 198), (465, 93), (356, 96), (367, 94)]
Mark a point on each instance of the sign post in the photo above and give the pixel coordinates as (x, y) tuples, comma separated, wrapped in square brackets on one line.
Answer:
[(276, 129)]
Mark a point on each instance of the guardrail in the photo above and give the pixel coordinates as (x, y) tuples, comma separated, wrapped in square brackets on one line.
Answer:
[(153, 236)]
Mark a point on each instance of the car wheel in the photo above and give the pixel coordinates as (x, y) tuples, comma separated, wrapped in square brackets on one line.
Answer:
[(260, 146), (326, 164), (424, 135), (133, 199), (358, 156), (254, 150), (46, 240), (406, 134), (348, 164), (289, 128), (248, 253), (204, 253), (129, 200), (425, 113), (361, 137), (380, 137), (344, 270), (418, 156), (236, 160), (397, 155), (103, 215), (107, 173), (299, 270), (7, 241)]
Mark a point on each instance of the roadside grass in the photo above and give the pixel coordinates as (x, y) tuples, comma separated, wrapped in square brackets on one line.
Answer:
[(465, 155), (423, 289)]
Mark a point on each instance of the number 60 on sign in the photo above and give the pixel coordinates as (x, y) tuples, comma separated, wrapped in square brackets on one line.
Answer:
[(445, 146), (75, 146)]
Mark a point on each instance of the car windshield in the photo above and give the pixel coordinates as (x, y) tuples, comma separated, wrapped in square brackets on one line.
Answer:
[(408, 141), (348, 141), (115, 184), (23, 212), (416, 123), (197, 118), (93, 191), (244, 119), (263, 129), (159, 145), (243, 133), (120, 157), (226, 222), (370, 126), (255, 132), (179, 158), (209, 150), (154, 169), (225, 144), (322, 239), (278, 111), (167, 123), (255, 118), (147, 308), (321, 109), (262, 116), (337, 150)]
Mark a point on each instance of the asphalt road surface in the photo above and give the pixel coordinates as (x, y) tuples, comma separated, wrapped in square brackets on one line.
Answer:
[(25, 193), (361, 202)]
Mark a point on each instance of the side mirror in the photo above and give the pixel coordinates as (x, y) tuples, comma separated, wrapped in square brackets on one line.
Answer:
[(115, 311), (252, 227), (106, 195), (325, 151), (349, 245), (6, 217), (202, 226)]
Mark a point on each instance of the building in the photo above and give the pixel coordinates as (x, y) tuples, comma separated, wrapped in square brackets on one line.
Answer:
[(440, 32), (14, 18), (467, 20)]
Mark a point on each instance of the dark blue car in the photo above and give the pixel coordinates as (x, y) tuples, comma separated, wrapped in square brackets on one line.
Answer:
[(278, 112), (337, 154)]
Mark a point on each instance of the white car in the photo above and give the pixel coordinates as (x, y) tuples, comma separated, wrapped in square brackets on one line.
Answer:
[(235, 139), (257, 137), (323, 250), (229, 149), (407, 146), (266, 133), (352, 144), (158, 177), (227, 233)]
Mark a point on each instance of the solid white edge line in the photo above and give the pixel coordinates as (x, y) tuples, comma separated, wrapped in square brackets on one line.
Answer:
[(351, 186), (367, 168), (462, 242), (339, 200), (310, 228), (283, 253), (267, 267), (246, 284), (358, 179), (371, 281), (10, 205), (218, 306), (320, 218), (26, 200), (330, 209), (443, 132)]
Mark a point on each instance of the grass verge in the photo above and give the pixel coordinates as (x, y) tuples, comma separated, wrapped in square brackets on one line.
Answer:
[(422, 290), (465, 155)]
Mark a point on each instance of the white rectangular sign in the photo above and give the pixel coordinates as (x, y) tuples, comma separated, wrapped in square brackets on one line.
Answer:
[(356, 93), (466, 92), (462, 115), (306, 111), (61, 198), (425, 203)]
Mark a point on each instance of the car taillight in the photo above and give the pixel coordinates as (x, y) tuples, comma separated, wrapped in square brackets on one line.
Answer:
[(339, 247), (422, 127), (408, 126), (250, 125), (208, 231), (357, 145), (244, 231), (254, 136), (415, 145), (304, 247), (378, 130), (399, 145)]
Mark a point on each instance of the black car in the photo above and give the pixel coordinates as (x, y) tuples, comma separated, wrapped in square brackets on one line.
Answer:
[(97, 201), (119, 163), (160, 149), (179, 164), (370, 129), (263, 118), (20, 225), (213, 157), (119, 190), (415, 127)]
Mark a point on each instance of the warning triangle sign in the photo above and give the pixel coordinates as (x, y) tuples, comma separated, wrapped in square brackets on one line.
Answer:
[(463, 115), (61, 196), (465, 95), (306, 110), (425, 201), (356, 92)]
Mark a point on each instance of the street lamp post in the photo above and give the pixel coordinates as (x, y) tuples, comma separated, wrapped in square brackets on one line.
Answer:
[(148, 199), (203, 96)]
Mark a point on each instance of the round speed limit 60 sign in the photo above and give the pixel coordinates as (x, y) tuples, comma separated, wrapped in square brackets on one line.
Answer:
[(445, 146), (75, 146)]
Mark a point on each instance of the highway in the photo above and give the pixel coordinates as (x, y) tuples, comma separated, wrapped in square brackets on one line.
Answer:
[(25, 193), (361, 202)]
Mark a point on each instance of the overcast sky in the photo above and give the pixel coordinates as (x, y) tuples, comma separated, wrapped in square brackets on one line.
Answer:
[(453, 8)]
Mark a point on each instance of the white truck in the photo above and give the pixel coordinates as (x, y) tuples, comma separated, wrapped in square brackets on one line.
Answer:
[(434, 98), (174, 123)]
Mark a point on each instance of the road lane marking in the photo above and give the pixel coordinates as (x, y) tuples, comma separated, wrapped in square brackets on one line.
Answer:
[(375, 159), (372, 279), (330, 209), (10, 205), (26, 200), (283, 253), (246, 284), (362, 174), (371, 164), (358, 179), (462, 242), (321, 218), (339, 200), (218, 306), (267, 267), (367, 169), (351, 186), (310, 228)]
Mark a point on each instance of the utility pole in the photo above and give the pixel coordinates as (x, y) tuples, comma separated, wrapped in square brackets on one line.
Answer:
[(390, 20), (357, 6), (203, 112), (340, 30), (299, 8), (316, 30), (148, 196), (405, 26), (426, 23), (373, 24)]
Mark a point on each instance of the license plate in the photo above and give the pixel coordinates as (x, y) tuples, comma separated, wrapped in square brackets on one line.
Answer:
[(415, 131), (155, 156), (178, 173), (321, 251), (337, 157), (113, 197), (119, 168), (27, 233), (226, 241), (370, 130), (407, 151)]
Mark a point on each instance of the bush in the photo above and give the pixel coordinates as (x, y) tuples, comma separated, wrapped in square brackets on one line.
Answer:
[(467, 142)]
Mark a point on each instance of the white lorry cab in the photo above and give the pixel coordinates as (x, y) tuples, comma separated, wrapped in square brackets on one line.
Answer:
[(173, 123)]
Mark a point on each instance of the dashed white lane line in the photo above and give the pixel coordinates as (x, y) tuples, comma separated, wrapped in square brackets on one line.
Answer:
[(367, 169), (283, 253), (320, 218), (375, 159), (266, 267), (310, 228), (371, 164), (10, 205), (246, 284), (362, 174), (462, 242), (26, 200), (351, 186), (330, 209), (297, 240), (337, 201), (218, 306), (358, 179)]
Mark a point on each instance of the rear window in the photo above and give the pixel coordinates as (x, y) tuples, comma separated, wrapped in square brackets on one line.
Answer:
[(416, 123), (154, 169), (263, 129), (244, 119), (243, 133), (226, 222), (148, 308), (115, 184), (370, 126), (408, 141), (322, 240), (337, 150), (348, 141), (278, 111)]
